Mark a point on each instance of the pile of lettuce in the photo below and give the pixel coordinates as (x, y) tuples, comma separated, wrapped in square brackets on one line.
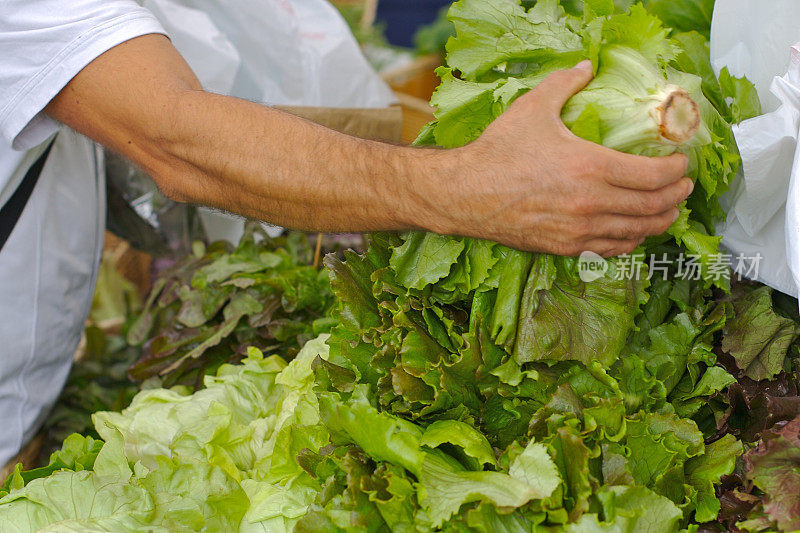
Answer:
[(221, 459), (274, 447), (477, 358), (205, 311), (212, 306), (624, 438)]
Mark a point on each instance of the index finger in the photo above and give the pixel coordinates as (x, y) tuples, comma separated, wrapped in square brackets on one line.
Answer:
[(644, 173)]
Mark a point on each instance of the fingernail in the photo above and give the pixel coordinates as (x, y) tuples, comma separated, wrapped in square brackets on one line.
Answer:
[(676, 215), (691, 187), (585, 65)]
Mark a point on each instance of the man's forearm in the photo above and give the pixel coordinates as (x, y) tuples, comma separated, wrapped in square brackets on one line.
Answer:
[(526, 182), (270, 165), (240, 156)]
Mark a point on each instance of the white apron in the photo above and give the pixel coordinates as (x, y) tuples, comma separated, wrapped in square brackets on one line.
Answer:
[(47, 273)]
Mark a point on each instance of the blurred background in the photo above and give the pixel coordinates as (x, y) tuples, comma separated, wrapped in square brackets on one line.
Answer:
[(403, 18)]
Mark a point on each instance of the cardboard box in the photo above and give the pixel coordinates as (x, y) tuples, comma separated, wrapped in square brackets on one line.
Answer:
[(417, 79), (382, 124), (417, 113), (397, 124)]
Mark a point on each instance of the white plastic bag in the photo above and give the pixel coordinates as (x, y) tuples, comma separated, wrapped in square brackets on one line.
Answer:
[(276, 52), (754, 38)]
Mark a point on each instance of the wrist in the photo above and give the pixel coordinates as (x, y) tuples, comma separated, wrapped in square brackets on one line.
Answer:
[(429, 179)]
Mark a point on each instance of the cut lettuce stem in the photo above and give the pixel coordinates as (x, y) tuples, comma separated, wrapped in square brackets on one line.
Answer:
[(632, 107), (677, 115)]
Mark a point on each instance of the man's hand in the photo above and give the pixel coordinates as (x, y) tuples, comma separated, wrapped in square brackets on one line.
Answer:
[(530, 183), (527, 182)]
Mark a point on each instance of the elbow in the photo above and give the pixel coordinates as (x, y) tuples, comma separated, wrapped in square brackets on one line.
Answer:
[(172, 183), (170, 174), (176, 194), (164, 151), (173, 175), (160, 146)]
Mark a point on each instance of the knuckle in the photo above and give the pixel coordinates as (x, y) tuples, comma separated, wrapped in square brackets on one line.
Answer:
[(610, 252), (652, 204), (623, 167), (574, 250), (628, 230), (568, 249), (649, 180), (622, 248), (619, 166), (582, 229), (647, 173), (584, 167), (559, 249), (636, 230), (653, 168)]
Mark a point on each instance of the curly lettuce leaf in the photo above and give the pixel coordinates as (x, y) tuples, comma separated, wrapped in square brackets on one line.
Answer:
[(630, 509), (703, 472), (758, 338), (773, 468), (489, 34), (555, 299)]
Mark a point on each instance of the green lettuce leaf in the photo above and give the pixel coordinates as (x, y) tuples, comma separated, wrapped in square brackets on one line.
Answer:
[(76, 501), (555, 299), (684, 15), (489, 34), (475, 447), (703, 472), (630, 509), (758, 338)]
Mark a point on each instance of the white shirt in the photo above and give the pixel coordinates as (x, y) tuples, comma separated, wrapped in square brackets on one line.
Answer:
[(48, 265)]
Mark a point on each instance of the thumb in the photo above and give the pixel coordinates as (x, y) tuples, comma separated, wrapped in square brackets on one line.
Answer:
[(556, 90)]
